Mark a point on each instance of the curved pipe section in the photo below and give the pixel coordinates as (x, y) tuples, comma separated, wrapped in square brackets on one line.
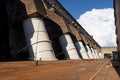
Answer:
[(94, 54), (89, 52), (35, 32), (68, 47), (80, 47), (100, 55)]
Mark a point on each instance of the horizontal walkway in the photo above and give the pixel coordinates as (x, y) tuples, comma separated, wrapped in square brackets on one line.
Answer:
[(108, 72), (57, 70)]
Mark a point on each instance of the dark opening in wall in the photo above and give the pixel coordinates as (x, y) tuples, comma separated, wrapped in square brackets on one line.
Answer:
[(4, 33), (54, 32), (107, 55), (16, 12)]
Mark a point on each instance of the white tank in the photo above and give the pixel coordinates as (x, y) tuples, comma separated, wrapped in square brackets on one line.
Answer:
[(94, 54), (80, 47), (36, 35), (68, 46), (89, 52)]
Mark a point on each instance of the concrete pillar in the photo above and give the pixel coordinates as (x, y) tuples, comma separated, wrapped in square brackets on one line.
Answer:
[(81, 48), (89, 52), (68, 47), (37, 38)]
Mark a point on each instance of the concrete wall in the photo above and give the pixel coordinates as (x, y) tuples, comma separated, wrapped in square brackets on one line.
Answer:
[(107, 50), (117, 23), (57, 22), (4, 32)]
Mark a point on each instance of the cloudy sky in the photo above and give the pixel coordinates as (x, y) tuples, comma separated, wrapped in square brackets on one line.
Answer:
[(96, 17)]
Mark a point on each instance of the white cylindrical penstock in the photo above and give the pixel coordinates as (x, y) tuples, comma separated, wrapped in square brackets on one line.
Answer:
[(80, 47), (68, 46), (100, 55), (94, 54), (36, 35), (89, 52)]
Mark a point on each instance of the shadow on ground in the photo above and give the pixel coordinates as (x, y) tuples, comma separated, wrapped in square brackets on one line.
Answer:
[(116, 65)]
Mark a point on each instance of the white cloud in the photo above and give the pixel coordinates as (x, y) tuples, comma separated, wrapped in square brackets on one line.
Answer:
[(100, 24)]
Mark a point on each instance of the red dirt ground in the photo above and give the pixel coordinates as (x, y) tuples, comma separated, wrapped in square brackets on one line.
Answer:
[(55, 70)]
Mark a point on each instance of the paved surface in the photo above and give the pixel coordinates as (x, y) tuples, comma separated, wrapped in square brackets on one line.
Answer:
[(116, 65), (56, 70), (108, 72)]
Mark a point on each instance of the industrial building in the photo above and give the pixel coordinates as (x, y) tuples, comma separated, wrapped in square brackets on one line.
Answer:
[(117, 23), (42, 30), (108, 52)]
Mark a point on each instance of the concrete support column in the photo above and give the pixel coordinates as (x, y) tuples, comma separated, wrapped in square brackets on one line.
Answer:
[(38, 42), (68, 47), (81, 48), (89, 52)]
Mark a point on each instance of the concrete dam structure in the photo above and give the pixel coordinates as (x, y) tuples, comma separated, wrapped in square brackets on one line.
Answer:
[(42, 30), (117, 24)]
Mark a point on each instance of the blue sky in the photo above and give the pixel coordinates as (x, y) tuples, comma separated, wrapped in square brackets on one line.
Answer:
[(78, 7), (96, 17)]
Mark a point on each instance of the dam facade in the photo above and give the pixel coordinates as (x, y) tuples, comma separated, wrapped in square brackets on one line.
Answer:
[(42, 30), (117, 24)]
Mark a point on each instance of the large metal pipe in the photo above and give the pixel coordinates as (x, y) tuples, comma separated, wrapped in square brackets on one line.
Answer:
[(100, 55), (94, 54), (36, 35), (80, 47), (68, 46), (89, 52)]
